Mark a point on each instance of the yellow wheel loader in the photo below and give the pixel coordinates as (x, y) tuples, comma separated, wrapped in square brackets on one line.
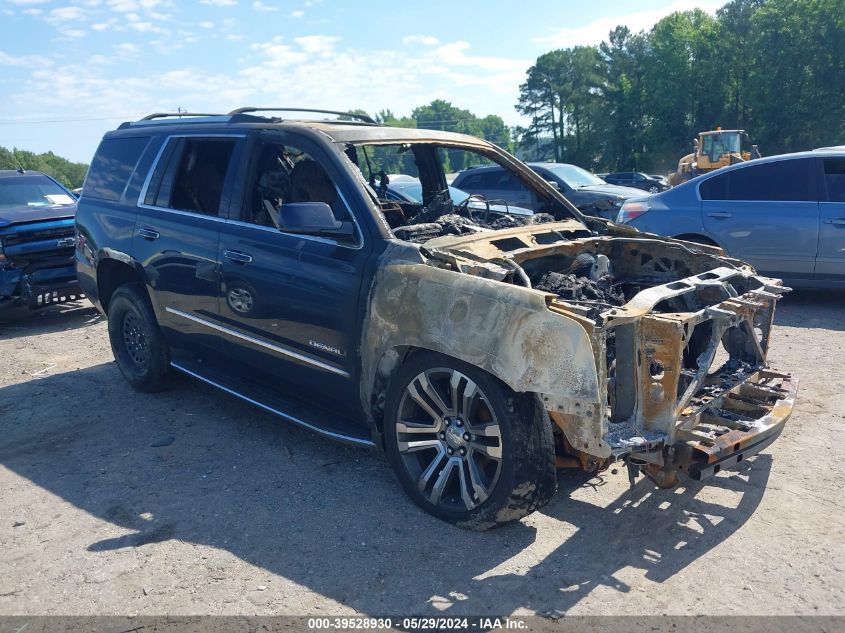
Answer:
[(714, 149)]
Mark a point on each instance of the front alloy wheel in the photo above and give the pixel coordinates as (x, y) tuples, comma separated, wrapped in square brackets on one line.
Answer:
[(464, 446), (449, 439)]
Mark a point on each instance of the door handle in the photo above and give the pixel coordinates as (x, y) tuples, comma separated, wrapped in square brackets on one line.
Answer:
[(720, 214), (836, 222), (237, 256), (149, 234)]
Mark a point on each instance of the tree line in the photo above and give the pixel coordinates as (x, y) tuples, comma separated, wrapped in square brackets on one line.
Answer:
[(68, 173), (775, 68)]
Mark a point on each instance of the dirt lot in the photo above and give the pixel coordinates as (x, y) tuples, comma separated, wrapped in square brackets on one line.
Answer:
[(191, 502)]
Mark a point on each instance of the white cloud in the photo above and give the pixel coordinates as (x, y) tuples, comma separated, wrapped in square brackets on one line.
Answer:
[(220, 3), (32, 11), (100, 26), (207, 24), (597, 30), (67, 14), (260, 6), (23, 3), (312, 71), (317, 44), (427, 40), (127, 49), (297, 14), (24, 60)]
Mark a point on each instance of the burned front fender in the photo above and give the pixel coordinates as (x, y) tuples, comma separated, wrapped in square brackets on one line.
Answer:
[(504, 329)]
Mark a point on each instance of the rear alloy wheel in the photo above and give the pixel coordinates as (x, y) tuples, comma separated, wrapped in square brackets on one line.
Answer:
[(464, 446)]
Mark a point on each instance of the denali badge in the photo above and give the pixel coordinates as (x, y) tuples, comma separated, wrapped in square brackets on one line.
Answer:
[(327, 348)]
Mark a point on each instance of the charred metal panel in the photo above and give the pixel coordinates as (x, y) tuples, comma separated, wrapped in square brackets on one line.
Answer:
[(502, 328)]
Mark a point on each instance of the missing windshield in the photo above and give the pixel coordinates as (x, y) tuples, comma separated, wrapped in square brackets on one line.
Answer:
[(427, 190)]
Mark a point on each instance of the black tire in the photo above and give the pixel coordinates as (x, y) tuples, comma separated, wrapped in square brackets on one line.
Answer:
[(526, 478), (697, 239), (138, 345)]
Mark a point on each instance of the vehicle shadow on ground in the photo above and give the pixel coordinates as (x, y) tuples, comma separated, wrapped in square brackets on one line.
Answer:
[(64, 317), (812, 308), (196, 465)]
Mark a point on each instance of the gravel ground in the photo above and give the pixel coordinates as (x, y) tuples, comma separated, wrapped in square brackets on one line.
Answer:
[(191, 502)]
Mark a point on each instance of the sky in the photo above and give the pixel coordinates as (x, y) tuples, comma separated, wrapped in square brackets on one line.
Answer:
[(74, 69)]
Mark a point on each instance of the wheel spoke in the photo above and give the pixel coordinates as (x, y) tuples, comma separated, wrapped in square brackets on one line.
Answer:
[(419, 445), (421, 383), (466, 493), (416, 427), (488, 430), (428, 473), (493, 452), (462, 396), (442, 479), (476, 479), (431, 392)]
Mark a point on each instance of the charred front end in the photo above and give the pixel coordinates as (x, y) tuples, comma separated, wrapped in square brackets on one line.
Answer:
[(679, 336)]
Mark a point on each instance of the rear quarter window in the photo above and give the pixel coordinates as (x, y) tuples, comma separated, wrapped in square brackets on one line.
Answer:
[(112, 167), (834, 175)]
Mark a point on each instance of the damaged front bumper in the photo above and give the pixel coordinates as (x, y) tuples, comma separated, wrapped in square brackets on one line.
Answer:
[(688, 387), (38, 285), (723, 429)]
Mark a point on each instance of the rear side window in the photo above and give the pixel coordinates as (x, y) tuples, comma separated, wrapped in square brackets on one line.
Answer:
[(834, 176), (191, 174), (785, 180), (714, 188), (113, 165)]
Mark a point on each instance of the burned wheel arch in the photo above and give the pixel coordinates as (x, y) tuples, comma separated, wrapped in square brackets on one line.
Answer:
[(505, 330)]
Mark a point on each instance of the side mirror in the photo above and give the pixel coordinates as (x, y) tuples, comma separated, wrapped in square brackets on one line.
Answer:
[(554, 184), (313, 218)]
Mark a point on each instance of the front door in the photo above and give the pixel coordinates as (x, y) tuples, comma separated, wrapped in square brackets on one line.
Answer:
[(766, 214), (291, 301), (830, 261)]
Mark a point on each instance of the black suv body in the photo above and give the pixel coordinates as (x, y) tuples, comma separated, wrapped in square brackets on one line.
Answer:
[(36, 241), (480, 349)]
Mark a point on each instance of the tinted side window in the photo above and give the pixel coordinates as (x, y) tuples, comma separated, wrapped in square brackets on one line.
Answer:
[(714, 188), (834, 175), (112, 167), (781, 180), (471, 181), (191, 174)]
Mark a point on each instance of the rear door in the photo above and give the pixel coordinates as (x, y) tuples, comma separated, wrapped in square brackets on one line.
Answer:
[(830, 261), (290, 302), (766, 214), (182, 206)]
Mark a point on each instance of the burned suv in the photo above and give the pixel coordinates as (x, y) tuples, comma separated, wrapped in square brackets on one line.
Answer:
[(480, 350)]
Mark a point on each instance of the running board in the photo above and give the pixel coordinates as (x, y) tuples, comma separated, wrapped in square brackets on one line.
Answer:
[(341, 428)]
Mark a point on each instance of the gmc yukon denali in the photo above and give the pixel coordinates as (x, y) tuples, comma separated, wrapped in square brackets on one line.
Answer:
[(259, 253)]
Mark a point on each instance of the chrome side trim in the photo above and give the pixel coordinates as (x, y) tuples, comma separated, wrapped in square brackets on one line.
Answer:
[(284, 351), (337, 436)]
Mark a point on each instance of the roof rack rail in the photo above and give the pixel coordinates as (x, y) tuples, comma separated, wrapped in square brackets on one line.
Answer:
[(162, 115), (360, 117)]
